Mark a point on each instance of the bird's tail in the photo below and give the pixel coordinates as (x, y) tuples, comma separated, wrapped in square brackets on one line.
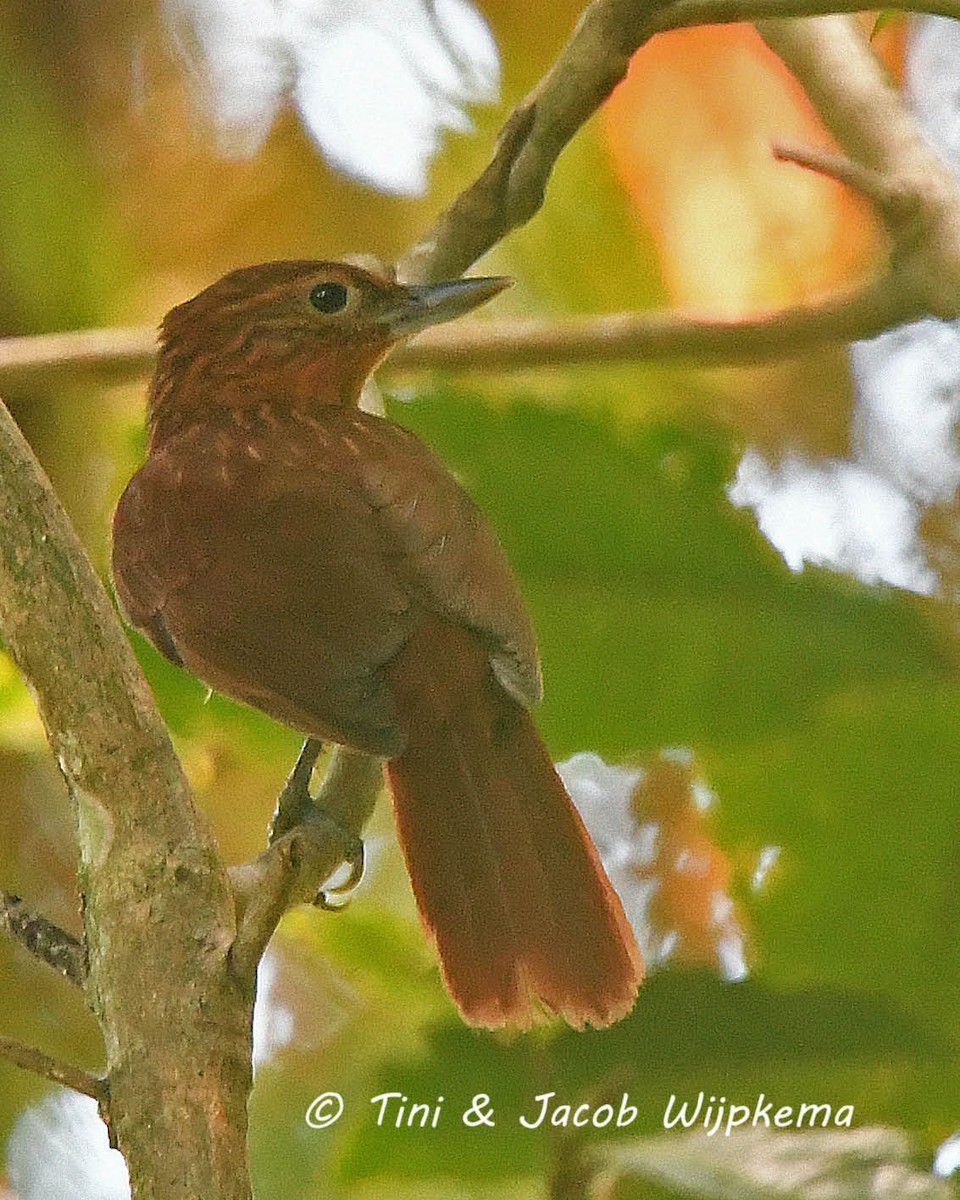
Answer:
[(507, 881)]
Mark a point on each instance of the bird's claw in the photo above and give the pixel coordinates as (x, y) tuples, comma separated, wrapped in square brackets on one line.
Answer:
[(337, 897)]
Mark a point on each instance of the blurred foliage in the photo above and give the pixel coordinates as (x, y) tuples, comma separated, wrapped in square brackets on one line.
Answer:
[(823, 713)]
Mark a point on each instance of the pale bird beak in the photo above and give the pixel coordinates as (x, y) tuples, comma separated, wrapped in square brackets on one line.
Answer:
[(422, 305)]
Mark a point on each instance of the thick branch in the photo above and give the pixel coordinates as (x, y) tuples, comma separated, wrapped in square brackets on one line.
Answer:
[(45, 940), (63, 1073), (158, 913)]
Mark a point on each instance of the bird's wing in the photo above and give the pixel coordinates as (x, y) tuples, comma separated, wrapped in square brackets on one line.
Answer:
[(442, 547), (255, 561), (286, 564)]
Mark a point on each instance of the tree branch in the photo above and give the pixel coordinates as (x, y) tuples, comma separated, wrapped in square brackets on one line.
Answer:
[(833, 60), (158, 913), (669, 335), (45, 940), (511, 189), (121, 353), (57, 1071)]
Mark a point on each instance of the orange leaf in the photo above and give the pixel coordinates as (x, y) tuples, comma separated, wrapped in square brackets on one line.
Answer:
[(689, 131)]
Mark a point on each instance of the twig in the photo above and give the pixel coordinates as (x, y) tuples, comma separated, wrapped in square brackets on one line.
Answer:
[(295, 800), (45, 940), (893, 205), (54, 1069)]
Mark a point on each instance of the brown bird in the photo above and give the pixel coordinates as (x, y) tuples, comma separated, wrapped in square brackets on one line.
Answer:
[(321, 564)]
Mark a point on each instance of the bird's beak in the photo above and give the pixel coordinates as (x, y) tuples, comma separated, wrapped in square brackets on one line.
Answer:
[(418, 306)]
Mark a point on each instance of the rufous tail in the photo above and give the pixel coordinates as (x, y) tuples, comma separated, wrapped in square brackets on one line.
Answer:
[(507, 880)]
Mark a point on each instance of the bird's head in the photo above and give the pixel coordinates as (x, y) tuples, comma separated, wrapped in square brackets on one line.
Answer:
[(293, 333)]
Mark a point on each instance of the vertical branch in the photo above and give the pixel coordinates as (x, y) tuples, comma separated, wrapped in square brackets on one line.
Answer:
[(157, 909)]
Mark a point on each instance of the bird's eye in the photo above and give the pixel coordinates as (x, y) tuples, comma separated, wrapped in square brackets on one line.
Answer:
[(329, 297)]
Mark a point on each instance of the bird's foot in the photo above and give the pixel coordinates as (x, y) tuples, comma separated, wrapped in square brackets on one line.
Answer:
[(296, 806)]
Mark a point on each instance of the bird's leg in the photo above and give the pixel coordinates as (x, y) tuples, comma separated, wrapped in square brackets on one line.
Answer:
[(296, 806), (295, 801)]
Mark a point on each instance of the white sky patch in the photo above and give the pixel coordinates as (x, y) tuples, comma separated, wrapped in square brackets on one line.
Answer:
[(602, 794), (731, 956), (659, 954), (375, 84), (946, 1161), (933, 83), (273, 1021), (838, 514), (59, 1150), (861, 515), (908, 404), (637, 863)]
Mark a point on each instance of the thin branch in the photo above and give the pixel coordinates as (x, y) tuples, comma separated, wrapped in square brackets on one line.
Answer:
[(124, 352), (664, 335), (293, 869), (45, 940), (667, 335), (511, 189), (54, 1069)]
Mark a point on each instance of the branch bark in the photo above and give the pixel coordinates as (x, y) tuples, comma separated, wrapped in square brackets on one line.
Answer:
[(157, 906), (845, 81)]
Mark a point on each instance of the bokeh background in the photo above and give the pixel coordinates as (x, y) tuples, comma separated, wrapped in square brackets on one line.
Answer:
[(788, 702)]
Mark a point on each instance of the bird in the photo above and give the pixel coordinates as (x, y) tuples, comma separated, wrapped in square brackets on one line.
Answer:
[(321, 564)]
